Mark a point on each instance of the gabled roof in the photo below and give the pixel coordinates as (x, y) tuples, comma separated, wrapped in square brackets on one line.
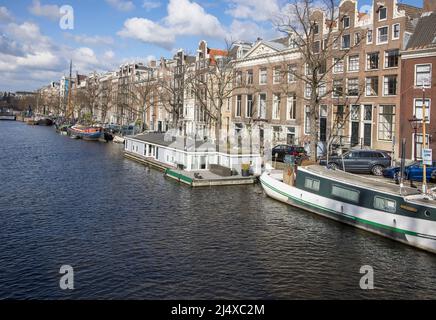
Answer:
[(425, 33)]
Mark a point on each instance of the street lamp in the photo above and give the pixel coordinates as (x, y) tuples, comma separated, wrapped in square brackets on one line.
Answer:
[(414, 123)]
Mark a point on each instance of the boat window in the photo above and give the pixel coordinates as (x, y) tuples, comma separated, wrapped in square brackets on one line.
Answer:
[(345, 193), (311, 184), (384, 204)]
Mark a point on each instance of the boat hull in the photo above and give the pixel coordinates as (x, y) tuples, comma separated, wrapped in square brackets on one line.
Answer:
[(85, 134), (8, 118), (414, 232)]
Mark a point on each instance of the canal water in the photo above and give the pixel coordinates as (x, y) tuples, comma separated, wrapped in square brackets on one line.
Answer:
[(129, 233)]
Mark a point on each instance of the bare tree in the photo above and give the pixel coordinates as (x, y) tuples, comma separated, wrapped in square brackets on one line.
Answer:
[(142, 91), (316, 28)]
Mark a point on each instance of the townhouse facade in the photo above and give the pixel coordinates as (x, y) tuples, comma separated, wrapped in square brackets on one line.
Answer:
[(419, 85)]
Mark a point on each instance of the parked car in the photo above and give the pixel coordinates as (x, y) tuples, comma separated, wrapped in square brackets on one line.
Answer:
[(433, 176), (414, 171), (279, 152), (360, 161)]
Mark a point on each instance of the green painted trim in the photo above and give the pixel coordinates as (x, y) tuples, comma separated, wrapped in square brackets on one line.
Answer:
[(179, 176), (371, 223)]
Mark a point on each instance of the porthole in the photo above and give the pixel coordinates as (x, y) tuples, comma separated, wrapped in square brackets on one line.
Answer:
[(427, 213)]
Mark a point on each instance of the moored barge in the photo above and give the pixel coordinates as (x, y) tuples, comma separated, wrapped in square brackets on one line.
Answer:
[(398, 213)]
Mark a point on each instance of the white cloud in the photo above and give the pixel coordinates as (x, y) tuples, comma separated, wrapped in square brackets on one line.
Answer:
[(249, 31), (121, 5), (257, 10), (5, 15), (48, 11), (148, 31), (184, 18), (91, 40), (150, 5), (187, 17)]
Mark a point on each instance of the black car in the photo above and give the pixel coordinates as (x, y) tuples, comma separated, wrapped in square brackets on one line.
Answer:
[(360, 161), (279, 152)]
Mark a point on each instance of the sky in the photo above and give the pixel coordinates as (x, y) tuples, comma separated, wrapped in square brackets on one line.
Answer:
[(37, 42)]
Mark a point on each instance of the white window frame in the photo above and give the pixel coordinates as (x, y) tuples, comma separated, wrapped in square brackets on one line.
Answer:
[(366, 62), (366, 86), (385, 59), (348, 85), (427, 109), (384, 19), (240, 107), (247, 115), (335, 65), (394, 122), (358, 63), (275, 75), (343, 22), (396, 88), (387, 35), (306, 107), (260, 76), (259, 111), (431, 70), (342, 42), (276, 106), (291, 103), (393, 31), (372, 36)]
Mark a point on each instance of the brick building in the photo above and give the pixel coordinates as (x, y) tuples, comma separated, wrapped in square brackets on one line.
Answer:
[(418, 79)]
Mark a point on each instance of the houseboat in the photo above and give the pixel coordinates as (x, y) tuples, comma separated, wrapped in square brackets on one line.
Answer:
[(6, 115), (86, 133), (399, 213)]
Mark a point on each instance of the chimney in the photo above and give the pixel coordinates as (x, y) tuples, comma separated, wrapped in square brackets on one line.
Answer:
[(429, 5)]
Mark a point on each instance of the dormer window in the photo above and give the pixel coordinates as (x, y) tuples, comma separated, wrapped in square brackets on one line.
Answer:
[(382, 13), (346, 22), (292, 43)]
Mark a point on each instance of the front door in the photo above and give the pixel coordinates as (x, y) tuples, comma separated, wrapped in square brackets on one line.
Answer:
[(367, 134), (354, 134)]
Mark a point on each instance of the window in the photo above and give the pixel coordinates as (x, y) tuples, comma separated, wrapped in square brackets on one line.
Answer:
[(390, 86), (346, 22), (308, 90), (311, 184), (357, 38), (369, 37), (353, 63), (335, 43), (276, 106), (391, 58), (291, 102), (293, 43), (382, 13), (262, 105), (396, 31), (238, 105), (371, 87), (338, 88), (249, 110), (315, 28), (307, 69), (382, 36), (418, 109), (346, 42), (239, 78), (250, 77), (322, 90), (420, 144), (353, 87), (307, 120), (345, 193), (423, 75), (292, 69), (386, 122), (385, 204), (277, 75), (263, 76), (372, 60), (338, 65)]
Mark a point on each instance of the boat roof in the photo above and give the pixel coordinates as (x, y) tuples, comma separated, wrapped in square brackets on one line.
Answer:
[(366, 182)]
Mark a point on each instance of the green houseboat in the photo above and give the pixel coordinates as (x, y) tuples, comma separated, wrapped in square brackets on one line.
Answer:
[(399, 213)]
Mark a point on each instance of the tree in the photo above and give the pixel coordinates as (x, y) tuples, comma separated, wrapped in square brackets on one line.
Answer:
[(142, 91), (213, 83), (316, 27)]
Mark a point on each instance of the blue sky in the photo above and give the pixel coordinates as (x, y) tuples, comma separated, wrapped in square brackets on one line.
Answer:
[(34, 50)]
